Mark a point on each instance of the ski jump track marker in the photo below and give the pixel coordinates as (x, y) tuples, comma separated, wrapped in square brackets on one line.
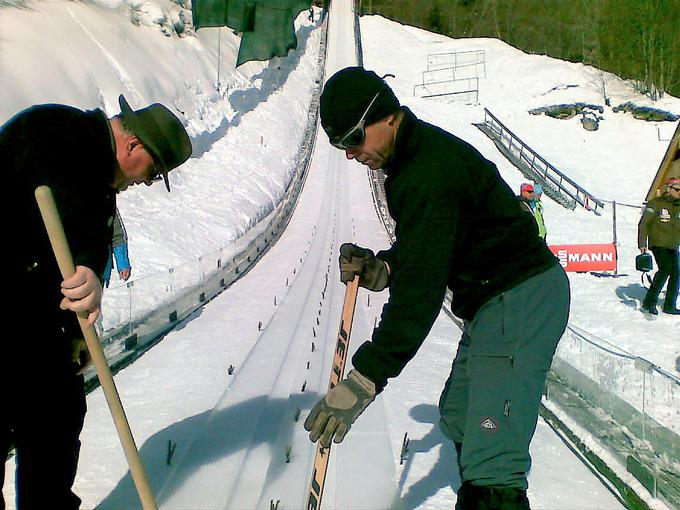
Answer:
[(342, 348)]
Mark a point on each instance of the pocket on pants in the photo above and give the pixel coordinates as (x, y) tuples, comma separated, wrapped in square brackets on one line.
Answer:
[(491, 392)]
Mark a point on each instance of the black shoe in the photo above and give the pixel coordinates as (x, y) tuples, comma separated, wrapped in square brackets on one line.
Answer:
[(649, 309), (671, 311), (479, 497)]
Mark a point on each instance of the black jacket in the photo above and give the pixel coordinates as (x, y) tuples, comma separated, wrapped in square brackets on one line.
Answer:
[(458, 224), (72, 152)]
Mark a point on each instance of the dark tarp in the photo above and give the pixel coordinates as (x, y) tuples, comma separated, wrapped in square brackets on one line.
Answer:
[(267, 26)]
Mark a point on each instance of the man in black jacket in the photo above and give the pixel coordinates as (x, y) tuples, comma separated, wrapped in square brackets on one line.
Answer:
[(86, 158), (458, 224)]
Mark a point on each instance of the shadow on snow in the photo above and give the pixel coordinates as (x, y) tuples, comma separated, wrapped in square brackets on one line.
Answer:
[(205, 438)]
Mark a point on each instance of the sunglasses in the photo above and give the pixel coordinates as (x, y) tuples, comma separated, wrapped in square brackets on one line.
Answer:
[(356, 135), (674, 188)]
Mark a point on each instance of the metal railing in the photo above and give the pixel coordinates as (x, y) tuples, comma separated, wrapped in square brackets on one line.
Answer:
[(457, 59), (628, 404), (468, 88), (535, 167), (357, 37)]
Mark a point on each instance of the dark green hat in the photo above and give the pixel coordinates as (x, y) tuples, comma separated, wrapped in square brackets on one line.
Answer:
[(161, 132), (346, 96)]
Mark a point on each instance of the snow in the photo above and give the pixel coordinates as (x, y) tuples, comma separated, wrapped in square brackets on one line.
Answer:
[(246, 137)]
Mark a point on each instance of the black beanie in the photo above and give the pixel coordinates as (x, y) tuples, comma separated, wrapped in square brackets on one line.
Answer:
[(346, 96)]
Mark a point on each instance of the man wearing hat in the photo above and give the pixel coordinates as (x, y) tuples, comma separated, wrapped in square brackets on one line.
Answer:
[(458, 225), (659, 230), (86, 158)]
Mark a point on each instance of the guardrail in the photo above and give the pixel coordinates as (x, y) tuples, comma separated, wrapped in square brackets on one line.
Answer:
[(454, 73), (357, 36), (139, 313), (467, 87), (630, 405), (456, 59), (556, 184)]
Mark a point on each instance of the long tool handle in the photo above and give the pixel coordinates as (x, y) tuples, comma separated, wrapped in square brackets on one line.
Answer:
[(339, 359), (62, 252)]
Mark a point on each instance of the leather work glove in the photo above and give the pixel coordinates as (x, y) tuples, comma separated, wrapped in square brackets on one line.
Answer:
[(80, 356), (333, 415), (82, 293), (354, 260)]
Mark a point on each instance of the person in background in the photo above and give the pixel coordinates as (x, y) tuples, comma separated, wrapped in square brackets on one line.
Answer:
[(507, 286), (659, 231), (85, 158), (538, 211), (119, 248), (530, 202)]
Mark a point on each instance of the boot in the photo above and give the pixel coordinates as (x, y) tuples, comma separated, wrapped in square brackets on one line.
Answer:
[(671, 311), (479, 497), (652, 296), (649, 309)]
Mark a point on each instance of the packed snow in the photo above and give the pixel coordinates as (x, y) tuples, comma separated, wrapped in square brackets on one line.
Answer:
[(246, 136)]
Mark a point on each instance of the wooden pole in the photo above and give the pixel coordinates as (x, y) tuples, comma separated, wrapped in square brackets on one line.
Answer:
[(62, 252), (341, 350)]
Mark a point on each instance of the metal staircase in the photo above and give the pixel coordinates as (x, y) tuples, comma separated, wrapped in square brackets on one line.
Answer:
[(555, 184)]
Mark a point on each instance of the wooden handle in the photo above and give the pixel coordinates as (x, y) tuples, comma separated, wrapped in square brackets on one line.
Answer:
[(339, 360), (62, 252)]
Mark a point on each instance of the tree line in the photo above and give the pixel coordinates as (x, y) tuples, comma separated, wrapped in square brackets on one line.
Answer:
[(635, 39)]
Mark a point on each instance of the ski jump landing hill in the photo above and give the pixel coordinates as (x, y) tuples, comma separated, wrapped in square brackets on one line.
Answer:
[(251, 450)]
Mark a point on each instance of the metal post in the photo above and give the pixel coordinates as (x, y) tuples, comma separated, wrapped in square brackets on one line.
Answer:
[(616, 243), (129, 287), (219, 55), (644, 383)]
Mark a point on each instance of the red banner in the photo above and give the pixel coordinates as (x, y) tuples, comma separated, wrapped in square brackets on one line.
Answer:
[(586, 257)]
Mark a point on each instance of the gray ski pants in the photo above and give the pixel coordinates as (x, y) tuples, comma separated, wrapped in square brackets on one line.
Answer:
[(490, 402)]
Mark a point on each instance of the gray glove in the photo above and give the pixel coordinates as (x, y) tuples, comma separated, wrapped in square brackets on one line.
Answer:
[(373, 273), (334, 414)]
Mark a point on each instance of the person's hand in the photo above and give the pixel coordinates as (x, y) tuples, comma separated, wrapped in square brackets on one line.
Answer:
[(82, 293), (373, 273), (124, 274), (332, 417), (80, 356)]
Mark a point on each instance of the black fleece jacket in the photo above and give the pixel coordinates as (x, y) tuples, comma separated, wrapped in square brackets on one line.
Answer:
[(458, 224), (71, 151)]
